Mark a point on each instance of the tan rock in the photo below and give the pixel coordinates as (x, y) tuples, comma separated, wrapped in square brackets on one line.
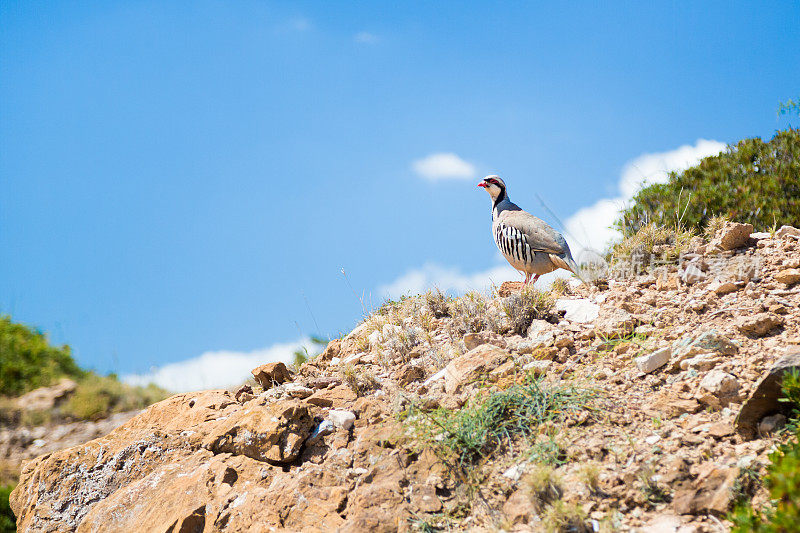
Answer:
[(614, 323), (758, 325), (786, 232), (45, 398), (270, 374), (722, 288), (519, 507), (731, 236), (712, 492), (789, 276), (340, 397), (472, 365), (274, 433)]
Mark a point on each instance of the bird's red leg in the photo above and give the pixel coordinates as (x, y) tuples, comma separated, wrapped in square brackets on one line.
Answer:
[(535, 278), (527, 279)]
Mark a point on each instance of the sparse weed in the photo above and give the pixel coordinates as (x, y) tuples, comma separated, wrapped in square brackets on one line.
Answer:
[(438, 303), (360, 381), (470, 313), (543, 485), (548, 450), (714, 224), (589, 474), (637, 252), (653, 493), (523, 307), (562, 517)]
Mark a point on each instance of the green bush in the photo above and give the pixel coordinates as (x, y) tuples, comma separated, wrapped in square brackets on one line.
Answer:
[(8, 522), (782, 480), (473, 432), (98, 396), (754, 181), (28, 360)]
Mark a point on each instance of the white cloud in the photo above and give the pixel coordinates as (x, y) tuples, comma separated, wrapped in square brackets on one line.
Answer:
[(591, 226), (366, 37), (443, 166), (215, 369)]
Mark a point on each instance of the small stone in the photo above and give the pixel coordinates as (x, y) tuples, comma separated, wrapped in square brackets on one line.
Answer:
[(653, 361), (472, 365), (409, 374), (578, 310), (473, 340), (692, 274), (297, 391), (722, 288), (538, 367), (652, 439), (731, 236), (720, 383), (342, 419), (722, 387), (770, 424), (244, 393), (720, 429), (758, 325), (790, 276), (787, 231), (271, 374)]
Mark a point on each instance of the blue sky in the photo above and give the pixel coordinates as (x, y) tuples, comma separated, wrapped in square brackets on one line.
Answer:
[(187, 178)]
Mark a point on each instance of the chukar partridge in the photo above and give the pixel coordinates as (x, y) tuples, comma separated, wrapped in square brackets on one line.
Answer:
[(527, 242)]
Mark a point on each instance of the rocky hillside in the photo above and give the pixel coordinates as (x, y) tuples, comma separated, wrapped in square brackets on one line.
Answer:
[(619, 406)]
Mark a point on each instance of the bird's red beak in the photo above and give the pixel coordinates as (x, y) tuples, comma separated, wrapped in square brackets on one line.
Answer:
[(483, 184)]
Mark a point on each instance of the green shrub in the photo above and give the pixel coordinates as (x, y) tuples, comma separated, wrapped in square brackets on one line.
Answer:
[(476, 430), (100, 396), (28, 360), (8, 522), (782, 479), (754, 181)]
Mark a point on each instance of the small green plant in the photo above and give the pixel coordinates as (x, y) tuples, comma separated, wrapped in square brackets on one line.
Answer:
[(548, 450), (8, 522), (652, 491), (301, 355), (475, 431), (782, 479), (789, 107)]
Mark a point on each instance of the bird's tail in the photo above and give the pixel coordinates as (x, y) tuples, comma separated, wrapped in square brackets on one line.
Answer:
[(567, 263)]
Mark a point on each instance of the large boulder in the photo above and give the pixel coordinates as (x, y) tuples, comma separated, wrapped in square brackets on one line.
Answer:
[(193, 462), (765, 398)]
